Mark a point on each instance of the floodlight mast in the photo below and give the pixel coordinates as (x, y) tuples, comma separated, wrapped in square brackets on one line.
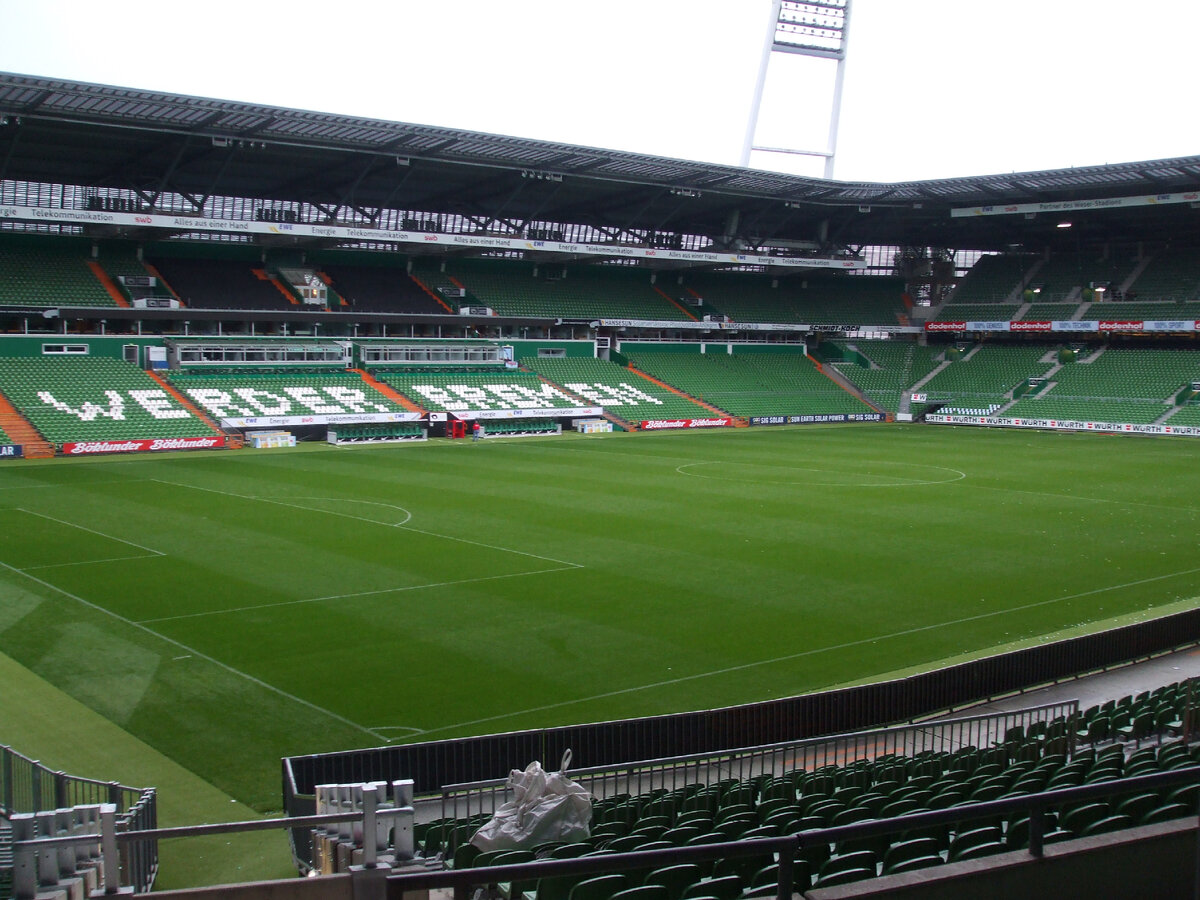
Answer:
[(813, 28)]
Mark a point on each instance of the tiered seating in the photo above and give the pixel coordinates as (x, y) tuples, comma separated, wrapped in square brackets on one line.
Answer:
[(4, 438), (1063, 276), (118, 259), (220, 284), (93, 398), (619, 391), (587, 292), (758, 384), (1139, 310), (824, 299), (1170, 275), (993, 279), (282, 394), (1120, 385), (901, 365), (473, 390), (380, 289), (1051, 312), (980, 384), (48, 272), (978, 312), (1025, 761), (1186, 415)]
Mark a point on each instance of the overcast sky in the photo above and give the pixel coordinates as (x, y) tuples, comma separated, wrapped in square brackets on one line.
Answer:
[(934, 88)]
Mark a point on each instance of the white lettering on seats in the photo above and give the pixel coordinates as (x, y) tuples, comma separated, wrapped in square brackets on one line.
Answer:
[(218, 402), (271, 405), (354, 399), (472, 395), (607, 395), (440, 397), (309, 397), (521, 396), (88, 410), (158, 404)]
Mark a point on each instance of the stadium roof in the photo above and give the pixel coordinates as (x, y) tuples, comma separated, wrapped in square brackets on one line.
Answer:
[(65, 132)]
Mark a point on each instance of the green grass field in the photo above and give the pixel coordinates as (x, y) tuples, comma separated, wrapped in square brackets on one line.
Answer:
[(230, 608)]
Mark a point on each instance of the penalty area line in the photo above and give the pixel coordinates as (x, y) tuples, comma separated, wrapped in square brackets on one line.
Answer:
[(354, 595), (196, 653), (813, 652)]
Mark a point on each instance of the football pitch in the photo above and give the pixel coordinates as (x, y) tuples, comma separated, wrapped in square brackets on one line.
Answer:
[(231, 608)]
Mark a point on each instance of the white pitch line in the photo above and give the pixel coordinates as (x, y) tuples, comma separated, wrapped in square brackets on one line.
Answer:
[(274, 502), (389, 590), (90, 562), (403, 527), (193, 652), (149, 550), (803, 653), (1006, 490)]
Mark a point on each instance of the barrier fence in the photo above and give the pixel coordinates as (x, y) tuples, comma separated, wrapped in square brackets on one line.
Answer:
[(433, 764), (635, 778), (29, 789)]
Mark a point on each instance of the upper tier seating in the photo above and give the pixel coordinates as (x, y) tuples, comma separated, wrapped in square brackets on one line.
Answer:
[(93, 398), (978, 312), (282, 394), (1169, 275), (901, 364), (819, 299), (1141, 310), (1120, 385), (1064, 276), (380, 288), (221, 284), (752, 384), (48, 272), (993, 279), (620, 391), (586, 292)]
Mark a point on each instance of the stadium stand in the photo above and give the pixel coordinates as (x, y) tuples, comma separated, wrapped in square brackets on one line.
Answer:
[(824, 299), (380, 288), (1105, 744), (557, 291), (977, 312), (472, 390), (222, 283), (883, 370), (39, 271), (1065, 276), (85, 399), (755, 384), (995, 278), (1169, 274), (282, 394), (1117, 385), (1139, 310), (982, 381), (620, 391)]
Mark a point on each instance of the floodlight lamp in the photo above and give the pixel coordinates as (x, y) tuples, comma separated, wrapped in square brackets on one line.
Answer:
[(1063, 225)]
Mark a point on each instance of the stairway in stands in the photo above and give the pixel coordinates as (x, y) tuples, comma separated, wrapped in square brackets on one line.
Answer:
[(17, 427)]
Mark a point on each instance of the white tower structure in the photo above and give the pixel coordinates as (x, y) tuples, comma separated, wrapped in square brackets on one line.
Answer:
[(812, 28)]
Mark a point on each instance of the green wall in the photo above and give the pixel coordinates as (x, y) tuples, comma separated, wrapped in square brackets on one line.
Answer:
[(31, 345)]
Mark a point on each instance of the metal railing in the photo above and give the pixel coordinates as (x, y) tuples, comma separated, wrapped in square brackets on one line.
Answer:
[(29, 788), (435, 763), (461, 881), (464, 800)]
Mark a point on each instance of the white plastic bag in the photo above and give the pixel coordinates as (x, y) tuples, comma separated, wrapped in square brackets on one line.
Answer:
[(545, 806)]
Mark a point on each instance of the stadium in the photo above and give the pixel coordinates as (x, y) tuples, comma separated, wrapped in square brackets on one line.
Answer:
[(391, 458)]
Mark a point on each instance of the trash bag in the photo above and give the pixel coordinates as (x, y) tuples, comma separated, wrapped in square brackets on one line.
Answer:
[(545, 806)]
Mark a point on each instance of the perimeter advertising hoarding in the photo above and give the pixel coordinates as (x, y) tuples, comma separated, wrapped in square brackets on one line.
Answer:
[(663, 424), (816, 419), (1071, 326), (331, 419), (209, 442), (1065, 425), (10, 451)]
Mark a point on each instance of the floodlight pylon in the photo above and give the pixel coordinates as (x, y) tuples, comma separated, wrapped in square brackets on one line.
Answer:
[(812, 28)]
